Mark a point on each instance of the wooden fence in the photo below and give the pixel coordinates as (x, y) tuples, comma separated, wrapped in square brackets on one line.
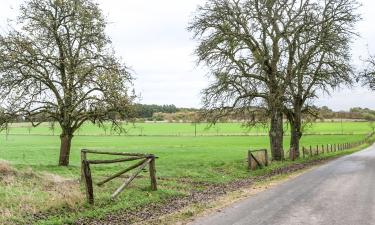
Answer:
[(143, 161), (328, 148), (257, 159)]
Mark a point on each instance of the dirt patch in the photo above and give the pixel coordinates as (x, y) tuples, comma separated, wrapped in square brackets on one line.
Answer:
[(151, 213), (5, 168)]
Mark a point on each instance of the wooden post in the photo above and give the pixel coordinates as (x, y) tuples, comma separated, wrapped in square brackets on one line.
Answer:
[(331, 147), (88, 182), (317, 149), (153, 174), (323, 149), (249, 159), (83, 158), (266, 156), (303, 152), (310, 151)]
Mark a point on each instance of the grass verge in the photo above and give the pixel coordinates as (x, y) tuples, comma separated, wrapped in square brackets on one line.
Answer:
[(190, 170)]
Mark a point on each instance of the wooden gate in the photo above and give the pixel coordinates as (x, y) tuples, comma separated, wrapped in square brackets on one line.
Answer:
[(143, 161), (257, 159)]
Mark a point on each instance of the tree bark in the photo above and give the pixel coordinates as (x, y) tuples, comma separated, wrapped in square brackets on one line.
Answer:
[(276, 135), (295, 136), (295, 132), (66, 141), (295, 121)]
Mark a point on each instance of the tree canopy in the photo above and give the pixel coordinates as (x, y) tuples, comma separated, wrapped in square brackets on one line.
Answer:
[(262, 53)]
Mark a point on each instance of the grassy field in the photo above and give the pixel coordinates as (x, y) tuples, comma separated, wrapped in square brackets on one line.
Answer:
[(188, 129), (33, 188)]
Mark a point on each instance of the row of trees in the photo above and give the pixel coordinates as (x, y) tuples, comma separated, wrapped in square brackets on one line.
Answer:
[(276, 55), (315, 114), (268, 56)]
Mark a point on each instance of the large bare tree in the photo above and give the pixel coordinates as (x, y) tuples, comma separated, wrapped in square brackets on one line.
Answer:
[(321, 60), (273, 54), (57, 61), (248, 45)]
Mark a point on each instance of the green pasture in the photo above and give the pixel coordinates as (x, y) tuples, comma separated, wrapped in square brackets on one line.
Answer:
[(184, 162), (179, 156), (189, 129)]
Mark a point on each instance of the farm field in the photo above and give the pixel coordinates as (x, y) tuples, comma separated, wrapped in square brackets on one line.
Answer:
[(188, 129), (35, 189)]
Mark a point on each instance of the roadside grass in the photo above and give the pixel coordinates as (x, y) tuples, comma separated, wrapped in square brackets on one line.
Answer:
[(40, 192), (188, 129), (186, 214)]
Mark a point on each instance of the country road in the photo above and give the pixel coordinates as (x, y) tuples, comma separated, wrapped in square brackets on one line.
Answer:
[(340, 192)]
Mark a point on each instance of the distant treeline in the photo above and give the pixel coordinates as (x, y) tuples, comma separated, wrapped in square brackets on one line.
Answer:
[(354, 113), (149, 111), (172, 113)]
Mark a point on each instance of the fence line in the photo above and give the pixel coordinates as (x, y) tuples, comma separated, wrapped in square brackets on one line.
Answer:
[(258, 159), (328, 148)]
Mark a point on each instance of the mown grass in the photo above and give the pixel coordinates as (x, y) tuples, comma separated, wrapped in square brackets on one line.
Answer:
[(183, 162)]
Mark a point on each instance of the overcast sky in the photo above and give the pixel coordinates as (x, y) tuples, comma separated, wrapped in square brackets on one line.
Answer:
[(151, 37)]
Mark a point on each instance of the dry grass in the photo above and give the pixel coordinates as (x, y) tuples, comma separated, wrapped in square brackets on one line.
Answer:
[(29, 193), (5, 168)]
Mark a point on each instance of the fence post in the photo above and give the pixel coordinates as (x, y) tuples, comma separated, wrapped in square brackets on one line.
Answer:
[(266, 156), (317, 149), (303, 152), (323, 149), (88, 182), (83, 158), (310, 151), (153, 174), (249, 159)]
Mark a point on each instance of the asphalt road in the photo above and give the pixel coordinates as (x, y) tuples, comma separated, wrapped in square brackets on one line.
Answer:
[(340, 192)]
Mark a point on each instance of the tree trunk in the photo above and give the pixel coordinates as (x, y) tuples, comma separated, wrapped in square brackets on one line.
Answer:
[(276, 135), (295, 136), (66, 141), (295, 120)]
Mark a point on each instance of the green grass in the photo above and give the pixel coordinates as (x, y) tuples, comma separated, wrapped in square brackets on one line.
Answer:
[(188, 129), (213, 159)]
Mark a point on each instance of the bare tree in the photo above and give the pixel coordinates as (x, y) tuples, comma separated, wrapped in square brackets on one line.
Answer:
[(248, 45), (273, 55), (57, 61), (321, 59)]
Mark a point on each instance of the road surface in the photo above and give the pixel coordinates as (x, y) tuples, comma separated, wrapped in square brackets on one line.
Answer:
[(340, 192)]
